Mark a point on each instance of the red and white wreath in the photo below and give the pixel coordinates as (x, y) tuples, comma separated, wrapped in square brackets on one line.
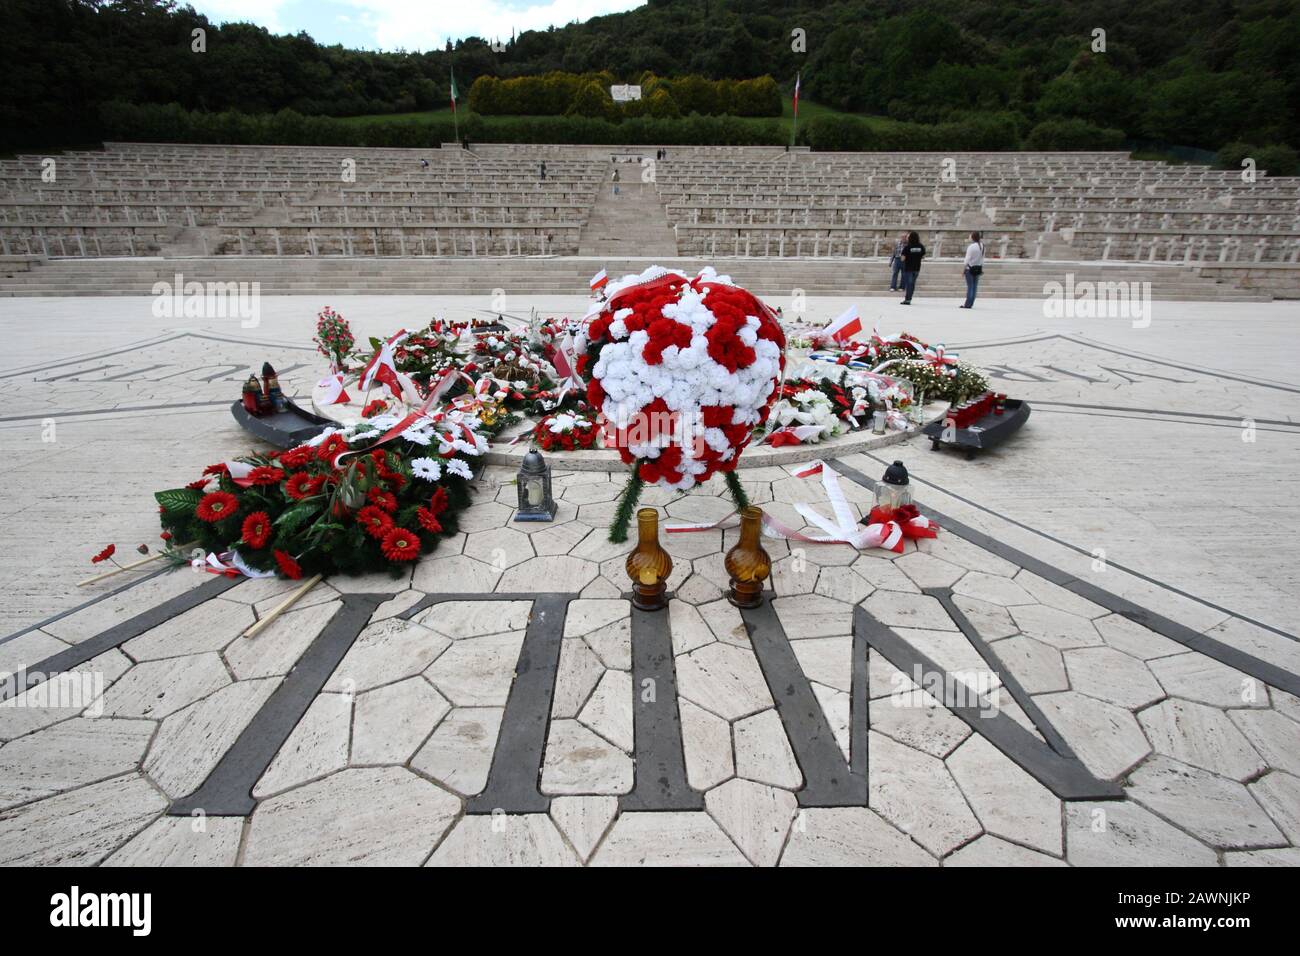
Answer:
[(682, 369)]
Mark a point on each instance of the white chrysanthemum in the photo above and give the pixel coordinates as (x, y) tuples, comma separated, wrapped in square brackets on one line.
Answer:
[(426, 469)]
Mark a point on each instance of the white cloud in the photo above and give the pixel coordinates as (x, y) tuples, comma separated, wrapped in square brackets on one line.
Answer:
[(419, 24)]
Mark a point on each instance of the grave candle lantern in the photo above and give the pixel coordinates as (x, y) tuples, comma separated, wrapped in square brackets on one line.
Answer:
[(893, 490), (649, 564), (534, 480)]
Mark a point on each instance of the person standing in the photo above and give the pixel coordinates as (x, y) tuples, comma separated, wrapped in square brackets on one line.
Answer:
[(896, 263), (615, 182), (913, 253), (974, 268), (542, 171)]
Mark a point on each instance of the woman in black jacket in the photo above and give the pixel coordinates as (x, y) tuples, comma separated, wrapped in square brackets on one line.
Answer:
[(912, 256)]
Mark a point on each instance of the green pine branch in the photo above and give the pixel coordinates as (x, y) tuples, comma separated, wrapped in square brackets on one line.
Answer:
[(626, 505)]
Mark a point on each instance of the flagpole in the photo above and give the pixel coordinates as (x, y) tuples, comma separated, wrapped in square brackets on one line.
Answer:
[(455, 113), (794, 128)]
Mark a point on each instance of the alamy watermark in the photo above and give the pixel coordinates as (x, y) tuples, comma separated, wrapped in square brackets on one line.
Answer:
[(1085, 299), (208, 300), (68, 690)]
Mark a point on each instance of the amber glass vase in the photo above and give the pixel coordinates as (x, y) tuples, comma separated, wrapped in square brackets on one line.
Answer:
[(747, 563), (649, 564)]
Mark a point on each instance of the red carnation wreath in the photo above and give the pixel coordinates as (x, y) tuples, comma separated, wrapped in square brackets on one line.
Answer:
[(682, 370)]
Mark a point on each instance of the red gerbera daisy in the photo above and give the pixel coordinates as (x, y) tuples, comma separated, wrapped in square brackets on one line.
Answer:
[(257, 529), (428, 520), (217, 505), (401, 545), (288, 566), (330, 447), (376, 521), (297, 457), (374, 408), (438, 503), (384, 499), (302, 485), (218, 469), (265, 475), (104, 555), (198, 485)]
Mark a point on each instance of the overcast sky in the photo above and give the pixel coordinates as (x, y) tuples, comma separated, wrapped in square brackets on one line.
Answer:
[(406, 24)]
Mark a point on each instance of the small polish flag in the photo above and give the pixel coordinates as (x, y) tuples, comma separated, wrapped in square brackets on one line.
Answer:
[(382, 367), (845, 326), (599, 280)]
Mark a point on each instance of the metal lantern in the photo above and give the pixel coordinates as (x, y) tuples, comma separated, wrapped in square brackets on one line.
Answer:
[(535, 501), (893, 490)]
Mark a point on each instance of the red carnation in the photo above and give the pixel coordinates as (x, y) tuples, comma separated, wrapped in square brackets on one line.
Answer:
[(398, 544), (428, 520), (105, 554), (257, 529), (217, 505), (376, 521), (384, 499), (302, 485), (264, 475), (288, 566)]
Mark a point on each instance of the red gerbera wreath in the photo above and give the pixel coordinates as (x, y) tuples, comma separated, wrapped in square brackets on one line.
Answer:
[(217, 505), (288, 566), (428, 520), (375, 520), (401, 545), (384, 499), (257, 529), (302, 485)]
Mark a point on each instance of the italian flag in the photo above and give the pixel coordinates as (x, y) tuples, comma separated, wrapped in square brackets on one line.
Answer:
[(454, 94)]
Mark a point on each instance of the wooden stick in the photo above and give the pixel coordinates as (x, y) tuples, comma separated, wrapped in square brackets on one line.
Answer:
[(283, 606), (126, 567)]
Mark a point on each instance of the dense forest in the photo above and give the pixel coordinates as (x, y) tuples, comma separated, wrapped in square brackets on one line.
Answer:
[(1202, 74)]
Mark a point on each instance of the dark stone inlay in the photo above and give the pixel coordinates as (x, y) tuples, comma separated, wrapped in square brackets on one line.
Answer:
[(118, 634), (660, 769), (1248, 664), (828, 780), (228, 789), (514, 778), (1009, 680), (1066, 777)]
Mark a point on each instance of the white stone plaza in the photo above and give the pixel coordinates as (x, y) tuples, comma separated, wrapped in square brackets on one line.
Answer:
[(1128, 561)]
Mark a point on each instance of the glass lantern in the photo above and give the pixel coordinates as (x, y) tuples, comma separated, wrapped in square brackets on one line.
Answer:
[(893, 490), (534, 480)]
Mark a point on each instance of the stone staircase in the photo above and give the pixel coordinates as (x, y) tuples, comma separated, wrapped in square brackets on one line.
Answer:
[(633, 223), (535, 276)]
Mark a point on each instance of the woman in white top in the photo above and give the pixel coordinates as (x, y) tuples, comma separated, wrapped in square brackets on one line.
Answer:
[(974, 268)]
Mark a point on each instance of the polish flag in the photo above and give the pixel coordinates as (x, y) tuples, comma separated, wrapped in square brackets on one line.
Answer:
[(796, 93), (599, 280), (845, 327), (383, 368), (332, 391)]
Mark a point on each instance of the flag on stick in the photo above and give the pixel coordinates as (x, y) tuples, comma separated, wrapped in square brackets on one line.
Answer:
[(844, 327), (599, 280)]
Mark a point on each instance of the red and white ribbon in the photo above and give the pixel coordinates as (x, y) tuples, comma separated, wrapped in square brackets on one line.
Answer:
[(844, 529)]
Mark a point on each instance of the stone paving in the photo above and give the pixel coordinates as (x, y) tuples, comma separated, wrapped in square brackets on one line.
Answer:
[(382, 767)]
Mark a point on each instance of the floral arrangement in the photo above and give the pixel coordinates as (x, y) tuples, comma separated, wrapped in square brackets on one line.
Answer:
[(956, 383), (683, 370), (566, 431), (357, 499), (334, 338), (804, 402)]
